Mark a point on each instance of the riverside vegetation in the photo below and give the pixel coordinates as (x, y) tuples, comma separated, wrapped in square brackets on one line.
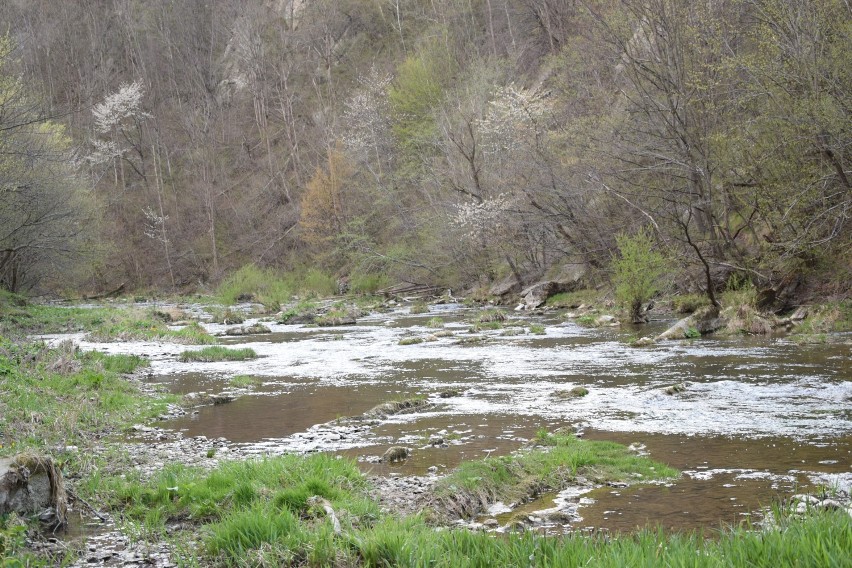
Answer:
[(317, 509)]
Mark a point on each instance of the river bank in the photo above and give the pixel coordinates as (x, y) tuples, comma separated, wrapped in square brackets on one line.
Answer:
[(485, 397)]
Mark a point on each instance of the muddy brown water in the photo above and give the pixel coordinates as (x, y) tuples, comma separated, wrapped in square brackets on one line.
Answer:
[(760, 418)]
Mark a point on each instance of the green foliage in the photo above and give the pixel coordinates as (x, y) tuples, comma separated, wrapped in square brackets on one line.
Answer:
[(411, 340), (637, 271), (833, 317), (218, 353), (688, 303), (435, 323), (417, 90), (316, 283), (362, 283), (692, 333), (251, 283), (252, 509), (820, 540)]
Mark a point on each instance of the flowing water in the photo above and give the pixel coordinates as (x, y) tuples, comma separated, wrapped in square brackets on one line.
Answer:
[(759, 418)]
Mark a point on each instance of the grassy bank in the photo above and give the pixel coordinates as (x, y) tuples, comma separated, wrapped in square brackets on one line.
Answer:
[(317, 511), (103, 323), (57, 397), (557, 460)]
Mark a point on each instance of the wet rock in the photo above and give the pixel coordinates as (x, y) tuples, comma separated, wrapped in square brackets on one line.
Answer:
[(396, 454), (606, 320), (675, 389), (808, 499), (643, 342), (254, 329), (830, 504), (491, 523), (451, 393), (437, 441), (221, 398), (395, 407), (33, 485)]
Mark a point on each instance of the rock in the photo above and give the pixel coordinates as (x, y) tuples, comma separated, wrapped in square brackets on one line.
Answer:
[(254, 329), (221, 398), (802, 498), (505, 287), (33, 485), (396, 454), (606, 320), (705, 320), (643, 342), (491, 523), (830, 504), (800, 314), (780, 297), (537, 294)]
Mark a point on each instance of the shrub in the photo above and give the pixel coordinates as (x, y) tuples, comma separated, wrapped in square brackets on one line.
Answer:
[(253, 283), (637, 272)]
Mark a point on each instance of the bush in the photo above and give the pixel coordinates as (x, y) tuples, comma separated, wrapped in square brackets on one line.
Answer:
[(253, 283), (637, 272)]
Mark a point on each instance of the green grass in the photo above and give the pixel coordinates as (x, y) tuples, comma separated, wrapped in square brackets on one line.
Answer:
[(833, 317), (130, 325), (822, 540), (537, 329), (218, 353), (265, 513), (490, 316), (55, 397), (435, 323), (118, 363), (251, 507), (419, 308), (244, 381), (411, 340), (587, 321), (557, 461)]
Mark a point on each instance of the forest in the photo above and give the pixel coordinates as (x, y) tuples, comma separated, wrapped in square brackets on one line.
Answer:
[(164, 144)]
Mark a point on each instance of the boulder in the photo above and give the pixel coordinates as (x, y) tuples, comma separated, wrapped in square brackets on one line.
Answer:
[(395, 454), (505, 287), (537, 294), (705, 320), (32, 485)]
